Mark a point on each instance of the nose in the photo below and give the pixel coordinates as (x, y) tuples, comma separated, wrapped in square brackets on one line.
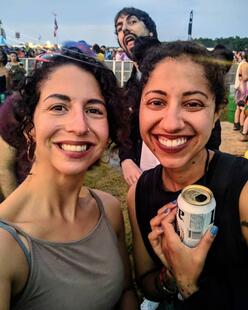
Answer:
[(77, 123), (125, 27), (172, 120)]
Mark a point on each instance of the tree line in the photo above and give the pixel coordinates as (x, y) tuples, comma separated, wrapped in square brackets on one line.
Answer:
[(233, 43)]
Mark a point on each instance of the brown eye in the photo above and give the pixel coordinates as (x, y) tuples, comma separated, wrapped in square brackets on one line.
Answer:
[(58, 107), (194, 105)]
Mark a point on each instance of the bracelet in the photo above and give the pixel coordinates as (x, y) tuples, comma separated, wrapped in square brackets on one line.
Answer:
[(160, 284)]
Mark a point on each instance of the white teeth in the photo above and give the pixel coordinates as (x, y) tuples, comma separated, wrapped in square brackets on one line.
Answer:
[(172, 142), (74, 148)]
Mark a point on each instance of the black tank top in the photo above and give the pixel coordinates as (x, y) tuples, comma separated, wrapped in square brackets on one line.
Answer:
[(224, 280)]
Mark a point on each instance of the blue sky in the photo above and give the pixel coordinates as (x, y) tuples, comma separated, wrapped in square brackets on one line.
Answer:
[(92, 20)]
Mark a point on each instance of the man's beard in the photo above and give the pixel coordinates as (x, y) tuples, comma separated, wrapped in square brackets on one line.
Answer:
[(125, 48)]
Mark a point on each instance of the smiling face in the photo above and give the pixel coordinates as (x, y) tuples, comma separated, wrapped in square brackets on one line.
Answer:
[(177, 112), (128, 28), (70, 122), (13, 57)]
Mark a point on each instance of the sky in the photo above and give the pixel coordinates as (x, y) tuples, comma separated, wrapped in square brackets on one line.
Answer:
[(93, 21)]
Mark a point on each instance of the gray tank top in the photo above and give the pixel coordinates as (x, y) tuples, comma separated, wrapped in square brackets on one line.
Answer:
[(85, 274)]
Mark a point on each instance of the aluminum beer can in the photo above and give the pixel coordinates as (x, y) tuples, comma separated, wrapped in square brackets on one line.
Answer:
[(195, 213)]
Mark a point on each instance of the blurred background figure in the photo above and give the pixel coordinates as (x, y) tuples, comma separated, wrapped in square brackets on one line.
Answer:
[(4, 76), (99, 52), (121, 55), (16, 72), (240, 91)]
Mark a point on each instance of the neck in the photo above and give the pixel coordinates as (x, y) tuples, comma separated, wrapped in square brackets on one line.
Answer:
[(58, 194), (176, 179)]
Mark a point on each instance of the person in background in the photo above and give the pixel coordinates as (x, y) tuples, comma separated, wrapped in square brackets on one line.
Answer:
[(240, 92), (109, 54), (244, 132), (99, 53), (120, 54), (130, 24), (181, 95), (4, 76), (225, 58), (66, 249), (16, 72)]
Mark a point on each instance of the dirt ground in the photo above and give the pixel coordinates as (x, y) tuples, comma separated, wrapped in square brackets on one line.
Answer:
[(230, 140)]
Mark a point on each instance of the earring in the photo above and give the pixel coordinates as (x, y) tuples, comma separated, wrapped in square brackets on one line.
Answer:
[(30, 151)]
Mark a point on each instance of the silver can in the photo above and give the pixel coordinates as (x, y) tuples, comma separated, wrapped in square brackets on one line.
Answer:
[(195, 213)]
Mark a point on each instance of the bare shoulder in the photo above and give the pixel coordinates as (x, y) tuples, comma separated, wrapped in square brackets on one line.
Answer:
[(10, 248), (7, 247), (13, 266), (107, 198), (112, 209)]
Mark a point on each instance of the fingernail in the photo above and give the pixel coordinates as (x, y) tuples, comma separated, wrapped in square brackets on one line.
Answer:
[(167, 211), (160, 229), (214, 230), (174, 202)]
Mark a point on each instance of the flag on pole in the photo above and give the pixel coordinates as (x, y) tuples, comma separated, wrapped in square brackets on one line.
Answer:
[(190, 25), (56, 27)]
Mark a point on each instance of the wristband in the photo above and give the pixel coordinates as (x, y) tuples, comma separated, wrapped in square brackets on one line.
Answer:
[(161, 286)]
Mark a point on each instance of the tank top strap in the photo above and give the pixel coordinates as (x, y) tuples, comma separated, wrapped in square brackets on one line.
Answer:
[(103, 213), (14, 233), (98, 201)]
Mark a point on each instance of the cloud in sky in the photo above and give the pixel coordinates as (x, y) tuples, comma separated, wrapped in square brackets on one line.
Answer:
[(93, 20)]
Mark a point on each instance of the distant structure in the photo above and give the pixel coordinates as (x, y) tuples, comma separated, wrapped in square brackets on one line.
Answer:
[(190, 25), (2, 31)]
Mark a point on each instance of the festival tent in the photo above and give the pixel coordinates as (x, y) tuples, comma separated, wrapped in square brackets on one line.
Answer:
[(2, 41)]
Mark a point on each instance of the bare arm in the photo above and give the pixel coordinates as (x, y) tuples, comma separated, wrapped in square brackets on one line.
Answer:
[(145, 270), (13, 272), (131, 172), (7, 165)]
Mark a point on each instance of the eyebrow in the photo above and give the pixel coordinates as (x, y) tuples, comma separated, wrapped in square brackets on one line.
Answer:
[(58, 96), (67, 98), (96, 101), (187, 93)]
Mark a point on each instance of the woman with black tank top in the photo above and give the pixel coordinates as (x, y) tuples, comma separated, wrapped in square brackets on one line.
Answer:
[(62, 244), (182, 93), (4, 75)]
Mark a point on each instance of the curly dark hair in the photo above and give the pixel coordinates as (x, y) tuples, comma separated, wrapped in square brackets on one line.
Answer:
[(210, 63), (141, 15), (25, 108)]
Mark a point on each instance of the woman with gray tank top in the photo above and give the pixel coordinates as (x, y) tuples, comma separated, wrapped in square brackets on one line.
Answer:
[(62, 245)]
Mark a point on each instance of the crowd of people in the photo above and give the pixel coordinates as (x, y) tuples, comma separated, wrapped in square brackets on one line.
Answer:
[(67, 241)]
